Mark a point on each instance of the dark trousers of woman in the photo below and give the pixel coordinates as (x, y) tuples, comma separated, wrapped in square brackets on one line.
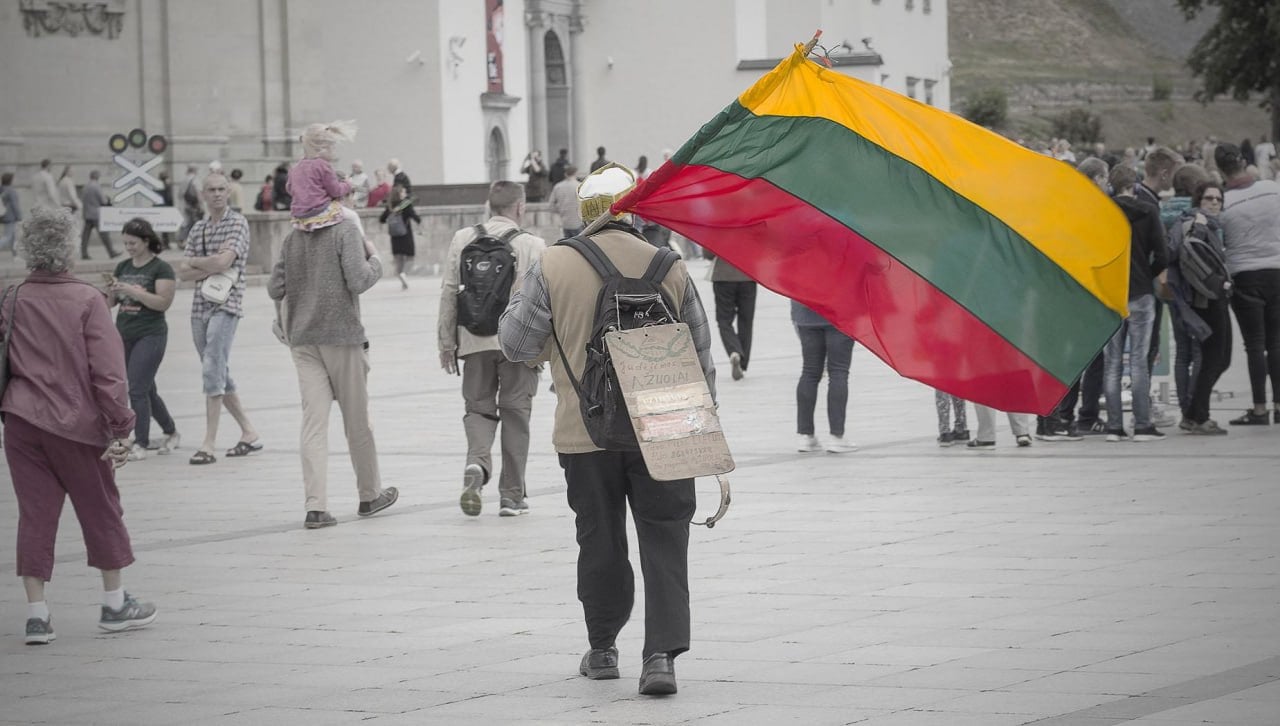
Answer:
[(142, 358), (1188, 359), (1215, 359), (600, 486), (1256, 301), (823, 347), (736, 300)]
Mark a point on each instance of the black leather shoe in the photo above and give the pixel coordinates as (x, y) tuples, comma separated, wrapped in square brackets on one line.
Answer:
[(384, 500), (658, 675), (600, 664), (316, 520)]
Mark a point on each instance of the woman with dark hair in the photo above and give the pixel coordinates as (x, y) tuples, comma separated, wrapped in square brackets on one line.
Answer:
[(397, 215), (143, 287), (66, 424), (1251, 231), (1202, 327)]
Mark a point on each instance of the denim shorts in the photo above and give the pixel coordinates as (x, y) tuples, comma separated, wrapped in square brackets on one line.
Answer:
[(213, 344)]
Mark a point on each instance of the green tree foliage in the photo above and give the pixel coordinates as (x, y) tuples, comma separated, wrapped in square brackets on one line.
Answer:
[(1161, 88), (987, 107), (1240, 55), (1078, 126)]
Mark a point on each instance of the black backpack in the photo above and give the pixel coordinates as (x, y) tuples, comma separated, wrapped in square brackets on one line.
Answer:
[(1202, 262), (485, 275), (624, 303)]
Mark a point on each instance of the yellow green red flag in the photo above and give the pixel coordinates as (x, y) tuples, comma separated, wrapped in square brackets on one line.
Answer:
[(960, 258)]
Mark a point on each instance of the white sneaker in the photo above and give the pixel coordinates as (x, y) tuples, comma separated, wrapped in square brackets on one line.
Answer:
[(837, 445), (171, 442), (404, 281), (137, 453), (808, 444)]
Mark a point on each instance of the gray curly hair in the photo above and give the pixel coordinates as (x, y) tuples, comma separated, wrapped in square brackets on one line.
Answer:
[(46, 239)]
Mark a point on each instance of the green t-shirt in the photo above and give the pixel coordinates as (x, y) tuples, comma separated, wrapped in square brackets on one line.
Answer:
[(136, 320)]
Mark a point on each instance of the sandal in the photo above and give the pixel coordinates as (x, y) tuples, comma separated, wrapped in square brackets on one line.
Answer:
[(202, 457), (244, 448)]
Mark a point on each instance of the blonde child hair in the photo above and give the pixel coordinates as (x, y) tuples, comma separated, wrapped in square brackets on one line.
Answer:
[(321, 140)]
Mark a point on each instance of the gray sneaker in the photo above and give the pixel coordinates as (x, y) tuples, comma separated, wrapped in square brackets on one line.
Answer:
[(1208, 428), (40, 632), (472, 483), (512, 508), (131, 615)]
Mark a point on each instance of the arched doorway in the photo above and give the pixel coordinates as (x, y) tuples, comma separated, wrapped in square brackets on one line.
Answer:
[(496, 155), (558, 104)]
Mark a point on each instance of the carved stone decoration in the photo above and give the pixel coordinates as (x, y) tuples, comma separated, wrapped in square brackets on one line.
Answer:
[(50, 17)]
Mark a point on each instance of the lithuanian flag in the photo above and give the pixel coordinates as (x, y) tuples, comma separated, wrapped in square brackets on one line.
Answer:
[(958, 257)]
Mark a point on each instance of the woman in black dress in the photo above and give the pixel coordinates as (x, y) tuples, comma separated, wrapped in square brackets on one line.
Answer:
[(397, 212)]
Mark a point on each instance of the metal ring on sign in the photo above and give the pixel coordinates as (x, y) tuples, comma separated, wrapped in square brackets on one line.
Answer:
[(725, 498)]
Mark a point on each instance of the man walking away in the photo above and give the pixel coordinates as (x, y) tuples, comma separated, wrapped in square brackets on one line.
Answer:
[(561, 291), (483, 266), (318, 280)]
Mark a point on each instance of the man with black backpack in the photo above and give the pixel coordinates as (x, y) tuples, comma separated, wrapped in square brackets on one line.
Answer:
[(580, 288), (483, 267)]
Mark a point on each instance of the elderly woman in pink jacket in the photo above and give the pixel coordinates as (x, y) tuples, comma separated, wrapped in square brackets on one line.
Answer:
[(66, 423)]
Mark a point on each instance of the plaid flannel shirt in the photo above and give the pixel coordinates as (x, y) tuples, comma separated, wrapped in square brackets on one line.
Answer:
[(205, 240)]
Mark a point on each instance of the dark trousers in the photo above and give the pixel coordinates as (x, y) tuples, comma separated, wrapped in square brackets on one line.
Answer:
[(142, 360), (1215, 358), (600, 485), (92, 225), (1153, 351), (1187, 359), (1256, 301), (736, 300), (1085, 390), (823, 347)]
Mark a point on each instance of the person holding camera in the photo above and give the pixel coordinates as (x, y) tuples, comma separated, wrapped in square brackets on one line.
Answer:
[(539, 183)]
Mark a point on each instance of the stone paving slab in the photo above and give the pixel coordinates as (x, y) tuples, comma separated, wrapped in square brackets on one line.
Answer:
[(903, 584)]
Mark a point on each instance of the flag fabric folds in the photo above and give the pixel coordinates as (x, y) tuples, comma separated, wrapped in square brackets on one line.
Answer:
[(958, 257)]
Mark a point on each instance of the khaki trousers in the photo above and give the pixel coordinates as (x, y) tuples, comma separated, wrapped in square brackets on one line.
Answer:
[(327, 373), (496, 390)]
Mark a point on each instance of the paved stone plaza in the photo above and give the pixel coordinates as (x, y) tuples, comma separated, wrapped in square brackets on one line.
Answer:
[(1072, 584)]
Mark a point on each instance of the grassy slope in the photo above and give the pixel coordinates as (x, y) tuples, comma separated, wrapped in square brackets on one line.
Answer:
[(1051, 55)]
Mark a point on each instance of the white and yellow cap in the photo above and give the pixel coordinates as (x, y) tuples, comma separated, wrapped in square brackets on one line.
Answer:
[(602, 188)]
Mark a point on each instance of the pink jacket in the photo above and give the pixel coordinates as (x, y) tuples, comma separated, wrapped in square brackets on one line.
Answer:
[(313, 184), (66, 361)]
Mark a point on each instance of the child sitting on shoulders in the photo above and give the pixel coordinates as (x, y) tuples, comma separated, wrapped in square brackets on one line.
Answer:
[(314, 185)]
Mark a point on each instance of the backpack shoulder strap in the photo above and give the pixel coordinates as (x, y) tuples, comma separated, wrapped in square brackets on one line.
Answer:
[(660, 265), (480, 232), (598, 260), (510, 235)]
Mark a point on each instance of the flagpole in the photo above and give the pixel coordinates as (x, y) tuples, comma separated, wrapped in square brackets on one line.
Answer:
[(808, 47)]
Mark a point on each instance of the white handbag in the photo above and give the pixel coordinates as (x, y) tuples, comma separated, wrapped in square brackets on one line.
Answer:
[(216, 288)]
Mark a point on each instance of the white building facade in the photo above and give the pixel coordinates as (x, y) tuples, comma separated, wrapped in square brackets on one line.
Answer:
[(458, 90)]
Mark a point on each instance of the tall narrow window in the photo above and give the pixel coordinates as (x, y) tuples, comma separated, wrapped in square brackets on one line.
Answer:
[(926, 6), (554, 56), (912, 82), (911, 5), (928, 91)]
